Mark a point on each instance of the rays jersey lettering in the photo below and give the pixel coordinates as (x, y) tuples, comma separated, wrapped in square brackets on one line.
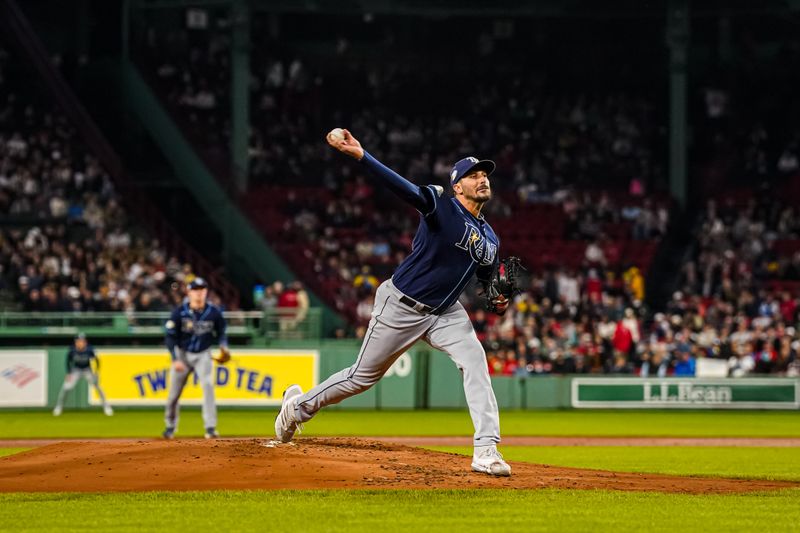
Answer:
[(481, 251), (450, 246), (195, 330), (80, 359), (198, 327)]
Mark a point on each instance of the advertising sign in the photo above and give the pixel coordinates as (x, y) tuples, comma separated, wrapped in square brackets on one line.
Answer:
[(689, 393), (252, 377), (23, 378)]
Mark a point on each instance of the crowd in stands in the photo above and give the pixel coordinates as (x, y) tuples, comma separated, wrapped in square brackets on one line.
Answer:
[(278, 295), (746, 114), (341, 232), (751, 128), (65, 241), (579, 165), (738, 293), (738, 303), (566, 325), (196, 71), (743, 245), (541, 135)]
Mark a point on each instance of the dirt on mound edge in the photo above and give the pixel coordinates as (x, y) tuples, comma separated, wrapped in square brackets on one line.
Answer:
[(312, 463)]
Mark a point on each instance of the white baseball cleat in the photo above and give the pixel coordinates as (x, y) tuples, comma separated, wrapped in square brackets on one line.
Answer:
[(286, 422), (57, 411), (488, 460), (108, 410)]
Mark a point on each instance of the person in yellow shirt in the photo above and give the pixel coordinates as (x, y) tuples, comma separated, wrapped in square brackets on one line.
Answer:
[(635, 282), (366, 279)]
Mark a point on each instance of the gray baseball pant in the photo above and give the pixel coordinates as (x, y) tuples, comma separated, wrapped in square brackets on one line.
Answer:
[(72, 379), (393, 329), (202, 365)]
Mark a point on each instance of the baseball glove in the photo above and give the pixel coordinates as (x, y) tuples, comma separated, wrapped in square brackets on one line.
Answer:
[(503, 282), (223, 356)]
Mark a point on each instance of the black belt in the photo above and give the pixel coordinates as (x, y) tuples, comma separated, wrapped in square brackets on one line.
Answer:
[(417, 306)]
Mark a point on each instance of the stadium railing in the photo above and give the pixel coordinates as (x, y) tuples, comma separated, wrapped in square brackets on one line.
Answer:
[(274, 324)]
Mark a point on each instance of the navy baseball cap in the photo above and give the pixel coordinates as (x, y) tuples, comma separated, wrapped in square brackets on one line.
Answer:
[(198, 283), (470, 164)]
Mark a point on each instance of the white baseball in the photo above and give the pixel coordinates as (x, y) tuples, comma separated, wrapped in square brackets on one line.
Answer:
[(337, 134)]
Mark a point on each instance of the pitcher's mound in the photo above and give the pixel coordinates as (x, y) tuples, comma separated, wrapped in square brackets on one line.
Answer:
[(306, 464)]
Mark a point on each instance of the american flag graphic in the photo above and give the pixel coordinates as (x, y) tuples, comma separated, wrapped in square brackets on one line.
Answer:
[(19, 375)]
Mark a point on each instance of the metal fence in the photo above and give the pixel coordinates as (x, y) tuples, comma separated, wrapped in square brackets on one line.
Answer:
[(287, 324), (275, 324)]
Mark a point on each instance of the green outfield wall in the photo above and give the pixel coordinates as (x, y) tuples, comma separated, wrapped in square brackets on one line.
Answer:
[(420, 378)]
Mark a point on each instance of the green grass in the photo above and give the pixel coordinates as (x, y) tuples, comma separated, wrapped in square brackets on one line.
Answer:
[(712, 461), (489, 510), (370, 511), (12, 451), (142, 423)]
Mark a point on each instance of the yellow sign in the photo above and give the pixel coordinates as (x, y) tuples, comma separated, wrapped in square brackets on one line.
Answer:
[(251, 377)]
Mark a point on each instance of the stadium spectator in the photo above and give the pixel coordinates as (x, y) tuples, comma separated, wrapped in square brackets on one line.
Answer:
[(67, 243), (540, 146), (293, 304), (582, 315), (685, 366)]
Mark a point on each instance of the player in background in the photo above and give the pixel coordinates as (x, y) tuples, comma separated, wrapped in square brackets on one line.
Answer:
[(191, 330), (80, 359), (420, 301)]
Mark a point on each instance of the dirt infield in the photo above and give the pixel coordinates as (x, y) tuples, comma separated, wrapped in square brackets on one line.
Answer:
[(309, 464)]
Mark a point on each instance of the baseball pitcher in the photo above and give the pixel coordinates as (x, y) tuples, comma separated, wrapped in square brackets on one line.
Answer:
[(80, 360), (453, 242), (191, 330)]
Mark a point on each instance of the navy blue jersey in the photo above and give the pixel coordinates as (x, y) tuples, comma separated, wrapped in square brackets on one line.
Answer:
[(450, 246), (80, 359), (195, 331)]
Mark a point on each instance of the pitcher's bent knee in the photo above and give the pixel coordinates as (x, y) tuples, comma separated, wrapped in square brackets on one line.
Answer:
[(359, 384)]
